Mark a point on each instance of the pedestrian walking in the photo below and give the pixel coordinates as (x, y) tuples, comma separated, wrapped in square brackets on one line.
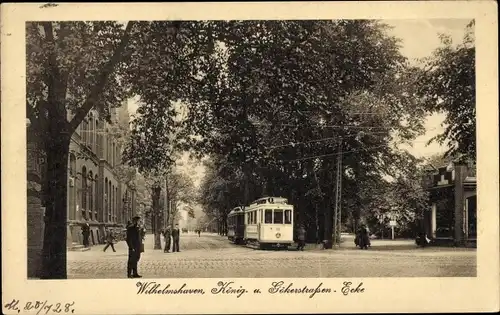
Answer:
[(175, 237), (301, 237), (166, 236), (363, 239), (199, 232), (110, 238), (134, 243)]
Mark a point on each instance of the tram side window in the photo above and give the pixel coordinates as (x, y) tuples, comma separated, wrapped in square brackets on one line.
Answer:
[(288, 216), (268, 214), (254, 217), (278, 216)]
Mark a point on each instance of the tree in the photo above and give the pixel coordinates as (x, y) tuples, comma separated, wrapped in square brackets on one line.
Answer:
[(180, 190), (72, 67), (171, 54), (286, 94), (448, 84)]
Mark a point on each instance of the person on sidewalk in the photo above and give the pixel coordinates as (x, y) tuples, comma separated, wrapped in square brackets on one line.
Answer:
[(301, 238), (166, 237), (134, 243), (86, 233), (110, 239), (175, 237)]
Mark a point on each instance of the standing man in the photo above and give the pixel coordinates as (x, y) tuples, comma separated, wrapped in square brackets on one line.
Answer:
[(301, 237), (110, 238), (86, 233), (134, 243), (176, 236), (166, 236)]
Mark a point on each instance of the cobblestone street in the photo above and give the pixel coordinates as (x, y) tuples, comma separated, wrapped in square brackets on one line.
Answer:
[(211, 256)]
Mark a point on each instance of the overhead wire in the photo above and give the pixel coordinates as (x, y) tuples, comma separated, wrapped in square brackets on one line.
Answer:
[(329, 138), (343, 152)]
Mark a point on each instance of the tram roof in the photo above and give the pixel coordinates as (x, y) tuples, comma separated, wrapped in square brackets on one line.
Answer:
[(264, 200), (236, 210)]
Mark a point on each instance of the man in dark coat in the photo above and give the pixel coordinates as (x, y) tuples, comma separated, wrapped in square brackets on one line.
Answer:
[(166, 236), (86, 233), (363, 238), (175, 237), (134, 243), (301, 237)]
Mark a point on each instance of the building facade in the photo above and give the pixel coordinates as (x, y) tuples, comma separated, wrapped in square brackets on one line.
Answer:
[(95, 193), (452, 216)]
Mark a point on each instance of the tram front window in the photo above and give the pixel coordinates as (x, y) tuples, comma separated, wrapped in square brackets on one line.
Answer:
[(268, 216), (288, 216), (278, 216)]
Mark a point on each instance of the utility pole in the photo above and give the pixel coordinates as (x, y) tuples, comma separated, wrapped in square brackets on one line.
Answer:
[(338, 194), (156, 215)]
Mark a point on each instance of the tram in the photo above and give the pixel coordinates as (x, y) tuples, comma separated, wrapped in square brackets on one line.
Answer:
[(269, 223), (236, 225)]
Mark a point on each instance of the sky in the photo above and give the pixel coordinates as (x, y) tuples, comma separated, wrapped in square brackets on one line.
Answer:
[(419, 39)]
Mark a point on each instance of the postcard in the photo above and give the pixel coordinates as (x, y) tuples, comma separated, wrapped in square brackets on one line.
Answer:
[(260, 157)]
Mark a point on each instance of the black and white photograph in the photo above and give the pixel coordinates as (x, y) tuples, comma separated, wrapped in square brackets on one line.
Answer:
[(257, 148)]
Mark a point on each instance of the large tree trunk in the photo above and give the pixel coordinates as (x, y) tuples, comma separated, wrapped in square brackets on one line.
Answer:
[(156, 212), (54, 242), (35, 214)]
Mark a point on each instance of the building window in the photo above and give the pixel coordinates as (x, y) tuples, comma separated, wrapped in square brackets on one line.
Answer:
[(99, 139), (113, 202), (96, 198), (72, 186), (91, 196), (108, 147), (84, 192), (91, 132), (117, 155), (110, 201), (117, 210), (85, 131), (113, 154), (82, 131), (104, 144), (106, 199)]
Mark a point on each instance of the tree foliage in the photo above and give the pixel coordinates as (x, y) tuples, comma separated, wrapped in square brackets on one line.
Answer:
[(448, 84), (286, 95)]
